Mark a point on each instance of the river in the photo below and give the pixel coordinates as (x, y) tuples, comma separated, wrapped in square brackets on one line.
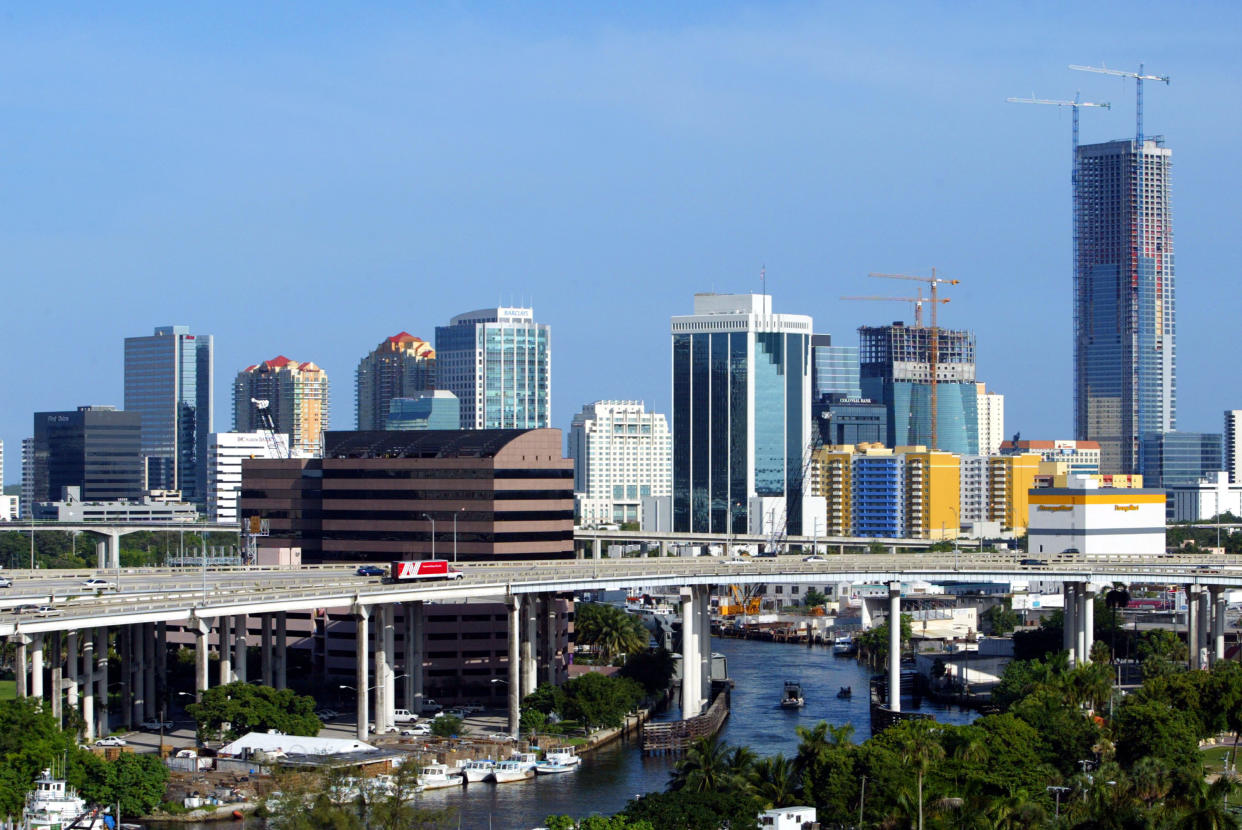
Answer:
[(615, 774)]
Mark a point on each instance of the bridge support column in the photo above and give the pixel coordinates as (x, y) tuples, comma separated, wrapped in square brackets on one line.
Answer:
[(362, 680), (528, 656), (282, 647), (1192, 627), (240, 649), (384, 675), (36, 666), (663, 548), (137, 672), (550, 638), (1206, 626), (1070, 621), (88, 684), (56, 658), (704, 632), (265, 650), (202, 628), (894, 646), (691, 676), (151, 708), (21, 669), (225, 633), (1218, 623), (71, 670), (514, 604), (125, 653), (161, 667), (597, 547), (114, 550), (414, 658), (101, 681), (1088, 621)]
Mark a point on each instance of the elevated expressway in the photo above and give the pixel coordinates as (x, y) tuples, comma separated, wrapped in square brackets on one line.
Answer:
[(205, 599)]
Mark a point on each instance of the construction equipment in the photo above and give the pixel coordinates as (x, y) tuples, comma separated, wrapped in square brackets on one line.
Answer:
[(933, 356), (264, 410), (1138, 77), (918, 303), (745, 601)]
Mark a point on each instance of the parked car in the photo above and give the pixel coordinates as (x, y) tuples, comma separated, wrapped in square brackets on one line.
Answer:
[(96, 584), (1032, 563), (326, 714), (403, 716), (155, 725), (112, 740), (430, 707), (416, 731), (370, 570)]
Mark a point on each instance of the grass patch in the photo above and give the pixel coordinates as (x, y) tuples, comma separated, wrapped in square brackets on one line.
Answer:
[(8, 690)]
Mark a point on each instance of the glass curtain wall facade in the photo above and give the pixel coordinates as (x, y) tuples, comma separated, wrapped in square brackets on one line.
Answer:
[(834, 369), (95, 448), (1124, 301), (741, 412), (498, 362), (168, 382), (1180, 459)]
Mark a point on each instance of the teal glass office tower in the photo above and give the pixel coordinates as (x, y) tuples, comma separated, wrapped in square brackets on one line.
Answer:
[(1125, 384), (741, 412), (168, 382), (498, 362)]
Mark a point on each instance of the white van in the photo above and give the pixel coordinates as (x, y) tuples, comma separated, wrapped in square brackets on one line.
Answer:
[(403, 716)]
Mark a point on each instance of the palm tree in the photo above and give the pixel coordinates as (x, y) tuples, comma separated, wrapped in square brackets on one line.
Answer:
[(1015, 811), (814, 742), (775, 782), (1116, 598), (705, 768), (609, 630), (920, 746), (1207, 807)]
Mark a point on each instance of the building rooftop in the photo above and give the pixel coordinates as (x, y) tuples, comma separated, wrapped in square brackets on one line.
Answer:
[(430, 443), (300, 744)]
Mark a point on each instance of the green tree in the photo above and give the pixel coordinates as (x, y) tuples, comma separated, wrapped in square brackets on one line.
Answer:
[(250, 708), (920, 748), (705, 769), (546, 698), (813, 598), (1001, 619), (135, 782), (1206, 807), (594, 699), (825, 763), (690, 810), (1145, 727), (873, 643), (446, 726), (652, 669), (775, 782), (608, 630), (397, 808)]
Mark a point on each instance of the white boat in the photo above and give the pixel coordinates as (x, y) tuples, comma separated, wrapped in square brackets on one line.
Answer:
[(380, 787), (438, 776), (478, 770), (844, 645), (52, 805), (512, 770), (792, 699), (558, 761)]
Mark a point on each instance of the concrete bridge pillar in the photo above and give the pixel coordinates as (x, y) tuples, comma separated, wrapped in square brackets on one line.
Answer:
[(88, 684), (150, 705), (225, 633), (514, 604), (239, 648), (414, 656), (114, 550), (202, 628), (663, 548), (690, 674), (1071, 621), (894, 646), (597, 548), (71, 670), (362, 680), (549, 638), (138, 672), (1206, 626), (161, 667), (1218, 623), (1087, 626), (101, 681), (1192, 627), (36, 666), (265, 650), (704, 632), (21, 669), (281, 655), (101, 554), (530, 634), (385, 681), (56, 660)]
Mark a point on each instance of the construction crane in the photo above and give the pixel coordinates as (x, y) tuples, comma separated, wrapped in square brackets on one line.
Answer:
[(918, 304), (933, 356), (264, 410), (1138, 77)]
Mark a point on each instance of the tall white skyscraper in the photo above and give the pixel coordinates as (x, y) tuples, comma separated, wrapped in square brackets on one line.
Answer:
[(498, 362), (622, 454), (225, 454), (741, 416), (991, 409), (28, 477), (1233, 445)]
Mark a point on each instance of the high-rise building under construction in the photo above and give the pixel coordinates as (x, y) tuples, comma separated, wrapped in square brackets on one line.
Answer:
[(1124, 312), (895, 368)]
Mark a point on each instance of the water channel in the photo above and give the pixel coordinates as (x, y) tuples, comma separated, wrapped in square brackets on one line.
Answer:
[(615, 774)]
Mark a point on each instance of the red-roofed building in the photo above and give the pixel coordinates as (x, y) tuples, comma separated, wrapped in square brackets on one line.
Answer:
[(297, 393), (400, 367)]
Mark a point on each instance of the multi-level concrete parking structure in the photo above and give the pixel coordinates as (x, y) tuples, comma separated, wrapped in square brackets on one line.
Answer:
[(1124, 311)]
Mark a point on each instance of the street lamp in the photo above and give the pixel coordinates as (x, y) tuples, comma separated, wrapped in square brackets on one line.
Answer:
[(460, 510), (1057, 792), (433, 534)]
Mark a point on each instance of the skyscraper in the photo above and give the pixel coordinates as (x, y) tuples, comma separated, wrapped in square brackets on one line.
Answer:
[(1233, 445), (622, 454), (1124, 325), (991, 411), (741, 413), (834, 369), (297, 394), (894, 367), (168, 382), (498, 362), (94, 448), (400, 367)]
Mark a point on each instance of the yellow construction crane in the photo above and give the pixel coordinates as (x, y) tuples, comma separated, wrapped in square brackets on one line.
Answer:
[(933, 357), (918, 304)]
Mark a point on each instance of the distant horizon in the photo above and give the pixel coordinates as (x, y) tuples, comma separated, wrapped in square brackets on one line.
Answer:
[(308, 182)]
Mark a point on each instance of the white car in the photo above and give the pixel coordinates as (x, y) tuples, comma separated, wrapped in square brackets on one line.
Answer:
[(111, 741), (47, 611), (96, 584), (415, 731), (155, 725), (815, 557), (5, 582)]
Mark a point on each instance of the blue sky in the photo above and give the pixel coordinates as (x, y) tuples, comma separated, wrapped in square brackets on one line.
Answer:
[(306, 179)]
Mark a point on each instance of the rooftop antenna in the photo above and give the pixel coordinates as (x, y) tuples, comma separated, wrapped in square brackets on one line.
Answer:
[(763, 279)]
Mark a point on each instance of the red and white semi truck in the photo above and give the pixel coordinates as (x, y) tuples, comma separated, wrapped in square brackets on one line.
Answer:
[(413, 570)]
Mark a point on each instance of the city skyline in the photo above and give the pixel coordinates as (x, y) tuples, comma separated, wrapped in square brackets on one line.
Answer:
[(200, 182)]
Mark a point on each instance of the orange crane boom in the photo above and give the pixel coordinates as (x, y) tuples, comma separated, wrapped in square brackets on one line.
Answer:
[(918, 304)]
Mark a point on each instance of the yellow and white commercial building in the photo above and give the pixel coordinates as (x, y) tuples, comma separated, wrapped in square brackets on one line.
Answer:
[(1090, 519)]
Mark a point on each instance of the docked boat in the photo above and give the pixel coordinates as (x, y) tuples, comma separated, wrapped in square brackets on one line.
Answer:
[(381, 787), (53, 805), (512, 770), (558, 761), (844, 645), (845, 692), (439, 776), (478, 770), (792, 698)]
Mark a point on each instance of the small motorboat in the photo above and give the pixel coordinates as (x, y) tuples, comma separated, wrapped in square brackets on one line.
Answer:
[(512, 770), (844, 645), (478, 770), (792, 699), (558, 761), (438, 776), (845, 692)]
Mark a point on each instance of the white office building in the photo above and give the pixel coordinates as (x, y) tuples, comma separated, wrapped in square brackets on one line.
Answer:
[(1089, 519), (9, 511), (990, 407), (225, 454), (498, 362), (622, 455), (1207, 498)]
